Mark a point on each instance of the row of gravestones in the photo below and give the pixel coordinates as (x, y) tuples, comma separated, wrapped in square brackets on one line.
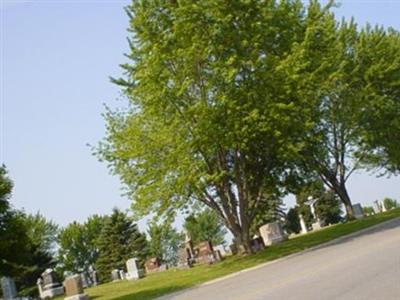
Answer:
[(134, 271), (48, 287), (204, 253), (72, 286), (318, 224)]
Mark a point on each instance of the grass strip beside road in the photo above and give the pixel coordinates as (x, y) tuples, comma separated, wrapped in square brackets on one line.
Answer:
[(158, 284)]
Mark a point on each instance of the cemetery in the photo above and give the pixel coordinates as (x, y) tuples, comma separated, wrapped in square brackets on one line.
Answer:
[(239, 127), (154, 284)]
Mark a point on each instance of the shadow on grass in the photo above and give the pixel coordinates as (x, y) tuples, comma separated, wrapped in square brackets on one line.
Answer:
[(151, 293)]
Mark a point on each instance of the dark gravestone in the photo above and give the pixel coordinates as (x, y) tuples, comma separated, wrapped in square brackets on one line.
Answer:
[(74, 288), (257, 244)]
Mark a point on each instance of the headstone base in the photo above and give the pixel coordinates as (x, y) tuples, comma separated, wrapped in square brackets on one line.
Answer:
[(316, 226), (135, 276), (51, 293), (78, 297)]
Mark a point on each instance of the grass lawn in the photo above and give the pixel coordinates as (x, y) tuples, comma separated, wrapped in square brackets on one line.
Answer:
[(158, 284)]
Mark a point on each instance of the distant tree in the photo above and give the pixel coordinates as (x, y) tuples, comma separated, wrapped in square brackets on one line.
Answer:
[(78, 245), (14, 241), (164, 242), (328, 207), (42, 235), (390, 203), (368, 210), (119, 240), (27, 242), (293, 221), (205, 225), (42, 231)]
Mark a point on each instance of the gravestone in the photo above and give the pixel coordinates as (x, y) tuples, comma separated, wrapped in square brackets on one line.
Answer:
[(115, 276), (383, 206), (94, 278), (74, 288), (8, 288), (272, 233), (85, 281), (358, 211), (257, 244), (377, 207), (233, 248), (152, 265), (317, 225), (134, 271), (206, 253), (122, 274), (184, 258), (48, 285), (221, 249), (303, 224), (218, 255)]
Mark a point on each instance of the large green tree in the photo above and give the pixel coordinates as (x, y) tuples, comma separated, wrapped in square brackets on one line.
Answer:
[(220, 94), (78, 245), (14, 240), (26, 242), (119, 241), (164, 242), (379, 112), (205, 226), (362, 74), (42, 236)]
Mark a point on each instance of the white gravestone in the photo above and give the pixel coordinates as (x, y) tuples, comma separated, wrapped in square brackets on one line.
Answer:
[(318, 224), (377, 207), (134, 272), (122, 274), (8, 288), (303, 224), (115, 275), (383, 206), (272, 233)]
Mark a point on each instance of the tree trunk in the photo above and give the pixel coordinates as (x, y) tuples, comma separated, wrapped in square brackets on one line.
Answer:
[(345, 198), (243, 242)]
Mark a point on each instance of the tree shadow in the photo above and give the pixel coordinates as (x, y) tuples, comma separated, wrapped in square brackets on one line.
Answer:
[(151, 293)]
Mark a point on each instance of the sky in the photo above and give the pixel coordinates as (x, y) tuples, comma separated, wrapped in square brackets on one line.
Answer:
[(56, 59)]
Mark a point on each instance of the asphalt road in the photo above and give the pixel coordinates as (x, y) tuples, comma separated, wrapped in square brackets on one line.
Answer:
[(363, 267)]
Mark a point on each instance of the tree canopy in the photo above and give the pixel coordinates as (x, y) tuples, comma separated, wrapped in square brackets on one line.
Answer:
[(232, 102)]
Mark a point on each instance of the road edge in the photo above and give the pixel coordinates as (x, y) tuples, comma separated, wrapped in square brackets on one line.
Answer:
[(326, 244)]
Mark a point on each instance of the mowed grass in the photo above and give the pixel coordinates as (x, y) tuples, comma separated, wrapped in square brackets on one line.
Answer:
[(158, 284)]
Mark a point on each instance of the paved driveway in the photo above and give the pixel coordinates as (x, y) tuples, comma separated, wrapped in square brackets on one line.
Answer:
[(358, 268)]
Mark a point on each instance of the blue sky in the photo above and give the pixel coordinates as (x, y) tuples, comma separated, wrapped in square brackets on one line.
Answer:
[(56, 57)]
